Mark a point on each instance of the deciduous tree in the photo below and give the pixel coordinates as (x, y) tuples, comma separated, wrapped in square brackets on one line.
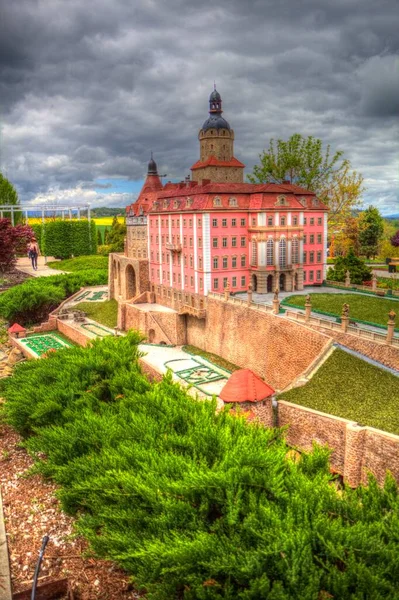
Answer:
[(395, 239), (12, 240)]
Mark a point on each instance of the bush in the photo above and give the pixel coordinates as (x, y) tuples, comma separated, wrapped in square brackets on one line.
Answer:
[(32, 300), (195, 504), (63, 239), (104, 250), (357, 268)]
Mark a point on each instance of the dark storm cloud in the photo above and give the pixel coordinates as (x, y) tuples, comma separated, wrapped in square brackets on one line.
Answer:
[(87, 90)]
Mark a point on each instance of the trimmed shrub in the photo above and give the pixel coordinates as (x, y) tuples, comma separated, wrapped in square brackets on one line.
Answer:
[(63, 239), (192, 503), (32, 300), (104, 250)]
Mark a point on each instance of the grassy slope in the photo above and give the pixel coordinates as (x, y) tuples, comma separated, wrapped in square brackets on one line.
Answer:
[(363, 307), (349, 387), (213, 358), (80, 263), (105, 313)]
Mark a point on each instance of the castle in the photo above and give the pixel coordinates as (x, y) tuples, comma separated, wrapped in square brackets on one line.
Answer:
[(214, 231)]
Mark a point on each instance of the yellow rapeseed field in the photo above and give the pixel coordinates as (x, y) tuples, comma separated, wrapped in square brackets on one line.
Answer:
[(105, 221)]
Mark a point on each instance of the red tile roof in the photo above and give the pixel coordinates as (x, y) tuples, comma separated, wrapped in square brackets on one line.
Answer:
[(212, 161), (245, 386), (16, 328)]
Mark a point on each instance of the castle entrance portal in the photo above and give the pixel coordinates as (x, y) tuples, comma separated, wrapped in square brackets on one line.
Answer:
[(282, 282), (130, 277), (254, 283), (270, 283)]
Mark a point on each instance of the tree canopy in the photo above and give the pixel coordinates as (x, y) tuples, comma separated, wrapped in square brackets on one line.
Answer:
[(371, 229), (8, 193), (304, 162)]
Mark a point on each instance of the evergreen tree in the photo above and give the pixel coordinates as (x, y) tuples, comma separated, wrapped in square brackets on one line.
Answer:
[(99, 238), (359, 271), (106, 236), (371, 229), (117, 235)]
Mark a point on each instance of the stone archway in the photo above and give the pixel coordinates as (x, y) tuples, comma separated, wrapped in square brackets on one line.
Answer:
[(151, 335), (130, 279), (282, 282), (119, 278), (269, 283), (254, 283)]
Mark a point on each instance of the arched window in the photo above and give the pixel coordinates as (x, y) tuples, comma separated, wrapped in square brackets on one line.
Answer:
[(282, 253), (269, 252), (217, 201), (295, 250), (232, 201)]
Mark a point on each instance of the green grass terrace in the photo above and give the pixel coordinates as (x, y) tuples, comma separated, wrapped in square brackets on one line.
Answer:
[(348, 387), (363, 307)]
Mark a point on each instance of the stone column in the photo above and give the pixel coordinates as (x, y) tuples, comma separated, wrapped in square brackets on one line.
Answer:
[(391, 327), (345, 318), (249, 298), (347, 279), (276, 302), (308, 308), (374, 282), (355, 436), (227, 291)]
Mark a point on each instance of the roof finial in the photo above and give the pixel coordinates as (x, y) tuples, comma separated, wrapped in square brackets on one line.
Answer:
[(151, 156), (214, 84)]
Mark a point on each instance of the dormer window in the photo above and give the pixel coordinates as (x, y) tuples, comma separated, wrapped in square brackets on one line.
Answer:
[(189, 201), (217, 201), (315, 202), (232, 201), (165, 204), (281, 201), (302, 200), (175, 204)]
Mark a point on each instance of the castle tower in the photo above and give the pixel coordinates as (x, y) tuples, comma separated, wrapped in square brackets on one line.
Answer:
[(217, 161)]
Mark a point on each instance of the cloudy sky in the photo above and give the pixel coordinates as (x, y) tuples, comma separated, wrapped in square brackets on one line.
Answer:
[(89, 87)]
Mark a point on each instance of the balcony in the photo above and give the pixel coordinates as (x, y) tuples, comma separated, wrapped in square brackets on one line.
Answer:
[(173, 247), (186, 309)]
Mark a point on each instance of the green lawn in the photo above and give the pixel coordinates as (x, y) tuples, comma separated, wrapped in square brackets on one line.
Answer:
[(105, 313), (213, 358), (362, 307), (348, 387), (80, 263)]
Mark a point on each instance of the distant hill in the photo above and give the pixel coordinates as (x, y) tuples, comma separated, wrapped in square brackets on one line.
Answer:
[(104, 211), (396, 216)]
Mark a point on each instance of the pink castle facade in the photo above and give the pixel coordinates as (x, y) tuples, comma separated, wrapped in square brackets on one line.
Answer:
[(215, 231)]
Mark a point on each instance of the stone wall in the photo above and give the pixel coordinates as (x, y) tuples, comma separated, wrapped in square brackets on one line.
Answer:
[(276, 349), (158, 327), (71, 332), (357, 450), (127, 277)]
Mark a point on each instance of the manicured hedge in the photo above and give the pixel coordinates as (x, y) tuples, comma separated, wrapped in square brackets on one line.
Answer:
[(195, 504), (34, 299), (63, 239)]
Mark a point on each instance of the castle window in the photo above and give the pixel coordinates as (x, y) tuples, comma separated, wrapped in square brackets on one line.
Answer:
[(176, 204), (216, 263), (319, 238), (234, 282), (191, 242), (281, 201), (234, 242), (214, 242), (243, 241), (315, 202), (234, 262), (305, 221), (282, 221), (214, 222), (295, 220), (217, 201), (243, 260), (225, 282), (311, 239), (312, 221), (295, 250), (200, 262), (190, 223), (199, 223), (269, 252), (319, 221), (199, 242), (243, 222), (191, 260), (302, 201), (232, 201), (319, 257), (224, 242), (311, 257), (311, 275), (201, 284), (184, 222), (216, 284), (224, 222), (318, 275), (282, 252), (189, 201), (224, 262), (243, 281), (270, 221), (185, 241)]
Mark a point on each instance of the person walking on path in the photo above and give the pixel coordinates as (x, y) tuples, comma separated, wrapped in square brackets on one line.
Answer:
[(33, 252)]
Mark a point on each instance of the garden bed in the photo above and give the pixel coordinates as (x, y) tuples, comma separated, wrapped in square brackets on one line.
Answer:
[(105, 313), (351, 388)]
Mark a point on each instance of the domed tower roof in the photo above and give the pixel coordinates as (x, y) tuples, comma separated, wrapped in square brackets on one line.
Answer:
[(215, 119), (152, 167)]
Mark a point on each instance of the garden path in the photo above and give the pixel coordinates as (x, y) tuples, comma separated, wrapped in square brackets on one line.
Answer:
[(24, 264)]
